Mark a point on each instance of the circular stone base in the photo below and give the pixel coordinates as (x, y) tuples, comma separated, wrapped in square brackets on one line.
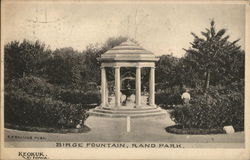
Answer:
[(116, 112)]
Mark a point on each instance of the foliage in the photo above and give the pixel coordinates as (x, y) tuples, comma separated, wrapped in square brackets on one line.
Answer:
[(112, 42), (217, 108), (32, 85), (33, 101), (39, 82), (65, 67), (173, 72), (90, 71), (25, 58), (166, 70), (215, 55), (24, 109), (38, 87), (80, 97), (178, 129), (165, 99)]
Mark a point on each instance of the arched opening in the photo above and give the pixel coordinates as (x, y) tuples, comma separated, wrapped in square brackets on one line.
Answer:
[(128, 80), (127, 86)]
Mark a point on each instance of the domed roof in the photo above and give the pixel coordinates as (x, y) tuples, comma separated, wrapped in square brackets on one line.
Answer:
[(128, 51)]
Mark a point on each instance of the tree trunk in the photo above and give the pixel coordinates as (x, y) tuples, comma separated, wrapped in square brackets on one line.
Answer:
[(207, 79)]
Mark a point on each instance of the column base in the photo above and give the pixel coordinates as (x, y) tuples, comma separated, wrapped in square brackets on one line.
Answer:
[(103, 106), (138, 106), (152, 105), (116, 107)]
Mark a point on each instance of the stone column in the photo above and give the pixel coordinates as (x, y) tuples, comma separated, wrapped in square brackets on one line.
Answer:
[(103, 86), (152, 87), (117, 87), (138, 87), (107, 93)]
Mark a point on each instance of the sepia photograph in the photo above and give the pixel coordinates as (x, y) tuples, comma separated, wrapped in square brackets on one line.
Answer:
[(118, 75)]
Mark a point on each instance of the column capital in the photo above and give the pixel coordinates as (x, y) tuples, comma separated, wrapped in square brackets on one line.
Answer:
[(153, 67), (102, 67), (117, 67), (139, 67)]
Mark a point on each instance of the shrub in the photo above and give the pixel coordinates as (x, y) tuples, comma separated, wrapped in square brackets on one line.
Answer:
[(32, 85), (177, 129), (80, 97), (165, 99), (24, 109), (215, 109), (38, 87)]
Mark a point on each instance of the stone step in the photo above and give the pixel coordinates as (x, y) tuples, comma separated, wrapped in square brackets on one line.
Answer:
[(138, 115), (127, 111)]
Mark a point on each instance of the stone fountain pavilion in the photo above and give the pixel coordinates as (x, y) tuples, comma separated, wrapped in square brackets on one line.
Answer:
[(127, 54)]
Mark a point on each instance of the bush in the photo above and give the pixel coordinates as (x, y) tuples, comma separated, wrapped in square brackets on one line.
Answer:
[(32, 85), (80, 97), (40, 88), (177, 129), (165, 99), (215, 109), (33, 101), (24, 109)]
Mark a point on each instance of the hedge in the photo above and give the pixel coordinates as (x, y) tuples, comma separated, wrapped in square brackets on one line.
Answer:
[(41, 88), (24, 109), (32, 85), (79, 97), (214, 109), (48, 129), (165, 99), (177, 129)]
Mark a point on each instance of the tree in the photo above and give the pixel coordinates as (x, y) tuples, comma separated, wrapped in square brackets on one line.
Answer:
[(214, 54), (69, 67), (166, 70), (91, 65), (93, 52), (25, 58), (175, 72), (65, 67), (112, 42)]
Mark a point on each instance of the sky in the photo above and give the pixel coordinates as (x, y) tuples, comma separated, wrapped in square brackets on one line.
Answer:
[(160, 27)]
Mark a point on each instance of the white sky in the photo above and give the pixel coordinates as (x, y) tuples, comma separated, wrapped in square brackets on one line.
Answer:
[(162, 28)]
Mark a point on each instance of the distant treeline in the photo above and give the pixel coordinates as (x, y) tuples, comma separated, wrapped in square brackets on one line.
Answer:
[(210, 60)]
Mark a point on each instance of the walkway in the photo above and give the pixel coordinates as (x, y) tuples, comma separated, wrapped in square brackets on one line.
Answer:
[(142, 130)]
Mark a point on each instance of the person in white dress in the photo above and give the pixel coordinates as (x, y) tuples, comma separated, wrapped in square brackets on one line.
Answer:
[(185, 97)]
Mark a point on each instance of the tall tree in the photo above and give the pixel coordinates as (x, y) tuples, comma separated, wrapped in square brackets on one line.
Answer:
[(65, 67), (213, 53), (25, 58), (92, 52), (166, 71)]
